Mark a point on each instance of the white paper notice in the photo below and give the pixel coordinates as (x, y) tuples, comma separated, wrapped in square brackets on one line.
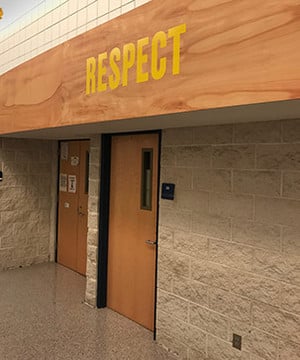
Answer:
[(63, 182), (64, 150), (72, 183)]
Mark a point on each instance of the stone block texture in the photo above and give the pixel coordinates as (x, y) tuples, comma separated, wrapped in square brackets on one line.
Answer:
[(229, 244), (93, 221), (27, 201)]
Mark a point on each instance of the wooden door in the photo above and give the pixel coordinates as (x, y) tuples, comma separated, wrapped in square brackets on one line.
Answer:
[(132, 227), (73, 205)]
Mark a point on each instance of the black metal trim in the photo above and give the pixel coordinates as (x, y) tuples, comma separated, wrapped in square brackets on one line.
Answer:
[(72, 140), (57, 199), (103, 220)]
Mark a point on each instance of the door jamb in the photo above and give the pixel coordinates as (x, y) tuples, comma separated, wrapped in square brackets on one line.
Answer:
[(104, 216)]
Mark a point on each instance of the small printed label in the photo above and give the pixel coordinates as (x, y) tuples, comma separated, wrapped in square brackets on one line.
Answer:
[(72, 183), (63, 182)]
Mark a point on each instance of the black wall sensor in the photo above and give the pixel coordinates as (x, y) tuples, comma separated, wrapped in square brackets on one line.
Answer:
[(167, 191)]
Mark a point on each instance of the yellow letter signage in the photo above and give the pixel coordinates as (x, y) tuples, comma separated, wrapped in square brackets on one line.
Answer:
[(111, 69)]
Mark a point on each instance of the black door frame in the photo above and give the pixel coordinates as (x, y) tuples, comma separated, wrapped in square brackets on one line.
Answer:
[(104, 216)]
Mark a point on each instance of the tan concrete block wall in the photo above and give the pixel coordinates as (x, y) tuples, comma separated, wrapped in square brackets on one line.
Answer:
[(93, 221), (229, 244), (27, 201)]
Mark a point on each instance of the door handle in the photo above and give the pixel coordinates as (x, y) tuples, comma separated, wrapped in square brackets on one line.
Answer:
[(80, 211), (150, 242)]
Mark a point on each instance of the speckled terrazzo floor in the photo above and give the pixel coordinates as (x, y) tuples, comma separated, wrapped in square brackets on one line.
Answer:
[(42, 317)]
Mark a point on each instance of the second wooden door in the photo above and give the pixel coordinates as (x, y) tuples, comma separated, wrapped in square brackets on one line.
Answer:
[(73, 205)]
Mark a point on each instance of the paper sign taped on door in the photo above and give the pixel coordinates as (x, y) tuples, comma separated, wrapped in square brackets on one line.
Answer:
[(72, 183), (64, 151), (74, 160), (63, 182)]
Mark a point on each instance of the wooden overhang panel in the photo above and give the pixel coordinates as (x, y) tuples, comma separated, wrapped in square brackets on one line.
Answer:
[(232, 53)]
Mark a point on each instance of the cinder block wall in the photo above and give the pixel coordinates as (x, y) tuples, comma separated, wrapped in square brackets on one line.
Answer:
[(229, 245), (27, 201), (93, 221)]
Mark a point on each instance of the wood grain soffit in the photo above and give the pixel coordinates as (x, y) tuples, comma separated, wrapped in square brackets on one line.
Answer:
[(232, 53)]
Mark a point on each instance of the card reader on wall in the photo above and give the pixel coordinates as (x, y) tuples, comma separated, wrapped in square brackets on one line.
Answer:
[(1, 175), (167, 191)]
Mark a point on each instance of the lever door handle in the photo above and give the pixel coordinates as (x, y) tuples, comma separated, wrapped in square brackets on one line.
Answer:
[(150, 242), (80, 211)]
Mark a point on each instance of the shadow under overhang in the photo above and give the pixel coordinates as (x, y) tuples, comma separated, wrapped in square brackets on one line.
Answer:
[(280, 110)]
